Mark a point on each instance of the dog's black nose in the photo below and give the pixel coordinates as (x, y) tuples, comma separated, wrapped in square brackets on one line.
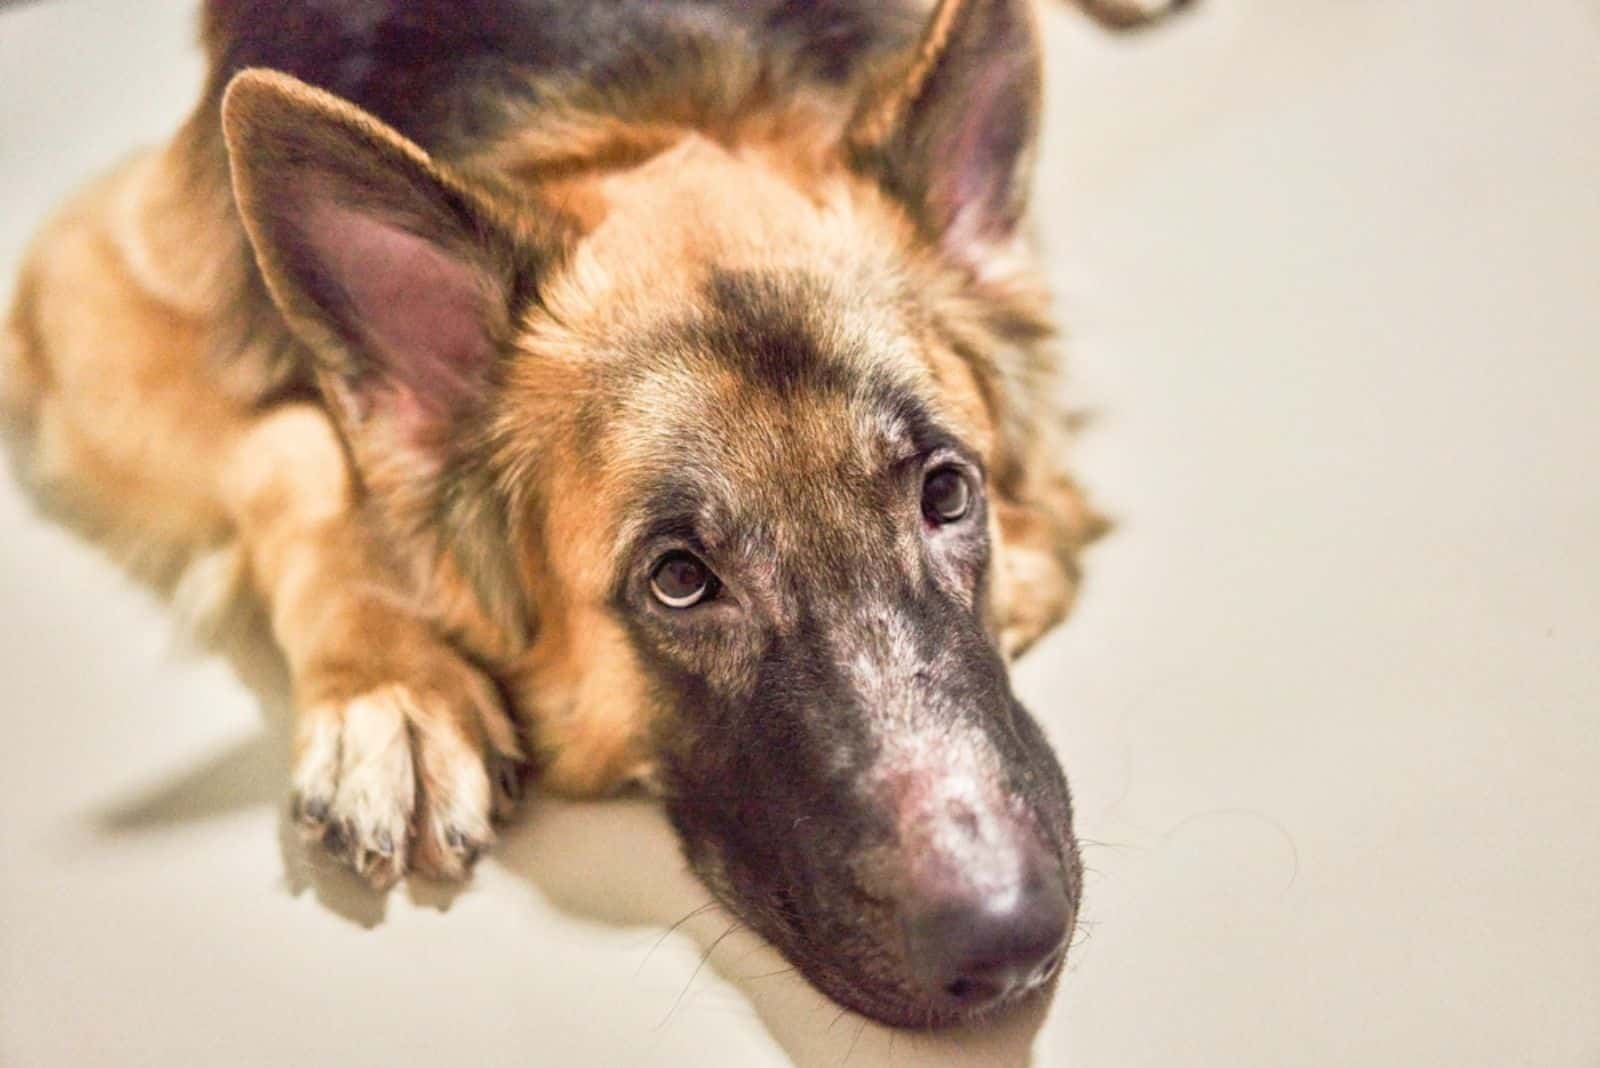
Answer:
[(976, 951)]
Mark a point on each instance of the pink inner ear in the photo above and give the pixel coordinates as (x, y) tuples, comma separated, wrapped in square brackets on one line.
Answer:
[(976, 162), (418, 309)]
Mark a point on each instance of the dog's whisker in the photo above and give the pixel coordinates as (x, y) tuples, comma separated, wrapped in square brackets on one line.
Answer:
[(859, 1031), (704, 957), (691, 914), (1093, 843)]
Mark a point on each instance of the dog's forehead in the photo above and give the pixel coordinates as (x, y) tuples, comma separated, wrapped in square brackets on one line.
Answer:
[(670, 228), (767, 397), (698, 201), (733, 339)]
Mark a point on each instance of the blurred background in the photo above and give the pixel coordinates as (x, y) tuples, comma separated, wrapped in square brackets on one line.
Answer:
[(1330, 271)]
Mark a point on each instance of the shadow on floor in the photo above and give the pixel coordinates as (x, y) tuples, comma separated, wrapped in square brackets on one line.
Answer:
[(611, 862)]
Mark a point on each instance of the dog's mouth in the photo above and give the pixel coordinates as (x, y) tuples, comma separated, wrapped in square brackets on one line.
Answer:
[(924, 898), (873, 799), (916, 964), (919, 1011)]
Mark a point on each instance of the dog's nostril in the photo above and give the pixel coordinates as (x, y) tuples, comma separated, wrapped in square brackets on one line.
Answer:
[(975, 951), (971, 992)]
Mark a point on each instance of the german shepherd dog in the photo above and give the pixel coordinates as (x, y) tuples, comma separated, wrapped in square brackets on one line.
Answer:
[(645, 393)]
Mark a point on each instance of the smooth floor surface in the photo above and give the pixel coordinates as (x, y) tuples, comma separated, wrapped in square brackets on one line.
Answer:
[(1331, 271)]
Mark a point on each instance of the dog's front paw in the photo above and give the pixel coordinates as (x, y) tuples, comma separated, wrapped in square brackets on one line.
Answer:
[(406, 774)]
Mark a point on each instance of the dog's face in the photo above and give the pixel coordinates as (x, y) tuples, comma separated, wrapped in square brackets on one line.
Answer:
[(713, 443), (767, 507)]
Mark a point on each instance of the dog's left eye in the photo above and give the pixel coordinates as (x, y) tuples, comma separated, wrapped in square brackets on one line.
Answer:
[(946, 495), (680, 580)]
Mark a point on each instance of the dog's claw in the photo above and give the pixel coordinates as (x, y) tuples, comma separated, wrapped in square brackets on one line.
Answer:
[(372, 858), (466, 848), (310, 812), (509, 777), (510, 785), (394, 780)]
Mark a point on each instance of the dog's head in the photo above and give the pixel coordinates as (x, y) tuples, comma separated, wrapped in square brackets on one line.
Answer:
[(731, 460)]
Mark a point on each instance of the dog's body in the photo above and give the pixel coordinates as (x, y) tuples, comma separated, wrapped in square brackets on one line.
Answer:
[(697, 281)]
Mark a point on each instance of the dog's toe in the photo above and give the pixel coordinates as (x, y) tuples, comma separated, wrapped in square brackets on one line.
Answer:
[(455, 818), (510, 777), (310, 813), (396, 780), (376, 794)]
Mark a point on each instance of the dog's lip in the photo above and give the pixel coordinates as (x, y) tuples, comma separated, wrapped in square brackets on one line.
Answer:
[(902, 1008), (923, 1014)]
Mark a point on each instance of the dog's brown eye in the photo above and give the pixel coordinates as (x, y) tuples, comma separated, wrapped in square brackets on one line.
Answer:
[(681, 579), (946, 496)]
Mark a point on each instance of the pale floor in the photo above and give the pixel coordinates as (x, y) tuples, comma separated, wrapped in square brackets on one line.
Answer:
[(1329, 705)]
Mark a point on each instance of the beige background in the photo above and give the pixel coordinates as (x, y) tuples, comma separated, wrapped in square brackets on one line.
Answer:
[(1329, 705)]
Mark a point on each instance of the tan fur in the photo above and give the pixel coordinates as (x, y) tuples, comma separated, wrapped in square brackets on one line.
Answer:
[(126, 432), (124, 417), (883, 110)]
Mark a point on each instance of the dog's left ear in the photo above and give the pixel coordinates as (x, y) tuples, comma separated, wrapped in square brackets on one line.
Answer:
[(950, 131)]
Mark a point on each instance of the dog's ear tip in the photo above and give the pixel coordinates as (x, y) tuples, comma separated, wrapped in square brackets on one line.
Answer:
[(248, 100), (950, 126), (261, 99), (254, 86)]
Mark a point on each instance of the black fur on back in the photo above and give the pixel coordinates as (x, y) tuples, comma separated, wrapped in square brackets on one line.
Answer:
[(439, 70), (453, 74)]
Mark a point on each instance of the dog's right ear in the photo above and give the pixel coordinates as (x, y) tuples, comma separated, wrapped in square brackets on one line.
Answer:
[(402, 278)]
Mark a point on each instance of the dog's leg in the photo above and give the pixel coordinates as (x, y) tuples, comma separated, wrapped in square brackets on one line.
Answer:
[(116, 419), (402, 749)]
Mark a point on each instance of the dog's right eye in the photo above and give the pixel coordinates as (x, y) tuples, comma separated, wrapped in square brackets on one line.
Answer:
[(680, 580)]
